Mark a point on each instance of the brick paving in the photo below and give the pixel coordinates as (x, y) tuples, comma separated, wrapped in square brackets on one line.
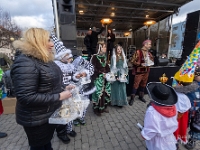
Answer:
[(115, 130)]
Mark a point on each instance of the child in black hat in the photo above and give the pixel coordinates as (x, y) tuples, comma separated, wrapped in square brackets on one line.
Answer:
[(194, 97), (161, 117)]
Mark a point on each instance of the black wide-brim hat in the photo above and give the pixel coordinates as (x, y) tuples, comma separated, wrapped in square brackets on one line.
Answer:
[(162, 94)]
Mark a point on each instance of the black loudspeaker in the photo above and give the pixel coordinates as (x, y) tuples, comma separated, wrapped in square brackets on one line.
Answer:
[(66, 18), (191, 37), (192, 29), (68, 32), (162, 61), (193, 21), (67, 22)]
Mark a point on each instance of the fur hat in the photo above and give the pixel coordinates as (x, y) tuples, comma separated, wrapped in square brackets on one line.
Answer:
[(61, 50), (186, 72)]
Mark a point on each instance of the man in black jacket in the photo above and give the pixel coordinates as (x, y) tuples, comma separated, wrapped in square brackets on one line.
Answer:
[(87, 42), (94, 38)]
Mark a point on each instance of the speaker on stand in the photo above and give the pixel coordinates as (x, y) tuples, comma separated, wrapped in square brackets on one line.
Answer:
[(192, 30), (67, 21)]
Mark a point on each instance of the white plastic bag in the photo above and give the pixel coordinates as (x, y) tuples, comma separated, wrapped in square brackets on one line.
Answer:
[(110, 77), (71, 109), (122, 77)]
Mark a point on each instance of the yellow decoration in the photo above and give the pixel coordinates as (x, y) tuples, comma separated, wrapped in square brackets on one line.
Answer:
[(186, 72), (184, 78), (163, 79)]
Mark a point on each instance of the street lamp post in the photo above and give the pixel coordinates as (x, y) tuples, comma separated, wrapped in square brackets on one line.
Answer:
[(148, 24), (126, 34), (106, 21)]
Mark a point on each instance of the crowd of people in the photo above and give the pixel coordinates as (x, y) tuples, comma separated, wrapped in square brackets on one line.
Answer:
[(47, 79)]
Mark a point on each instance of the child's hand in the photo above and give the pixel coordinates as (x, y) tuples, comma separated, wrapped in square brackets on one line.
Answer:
[(79, 75), (69, 87), (84, 74)]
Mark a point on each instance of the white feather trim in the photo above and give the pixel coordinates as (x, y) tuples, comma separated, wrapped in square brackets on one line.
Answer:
[(90, 91), (74, 76), (125, 62), (59, 55)]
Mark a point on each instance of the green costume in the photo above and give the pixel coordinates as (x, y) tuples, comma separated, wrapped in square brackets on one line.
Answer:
[(118, 89), (101, 97)]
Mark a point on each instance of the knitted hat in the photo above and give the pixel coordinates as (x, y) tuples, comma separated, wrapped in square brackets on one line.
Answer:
[(61, 50), (186, 72)]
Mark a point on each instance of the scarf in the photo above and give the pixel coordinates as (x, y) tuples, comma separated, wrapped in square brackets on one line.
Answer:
[(167, 111)]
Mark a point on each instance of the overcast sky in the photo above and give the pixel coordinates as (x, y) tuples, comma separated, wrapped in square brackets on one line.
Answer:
[(185, 9), (30, 13), (39, 13)]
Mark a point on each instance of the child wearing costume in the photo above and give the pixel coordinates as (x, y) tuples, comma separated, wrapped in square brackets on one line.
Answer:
[(160, 120), (183, 85), (101, 97), (119, 68), (71, 75), (183, 105), (63, 59), (194, 111), (86, 88)]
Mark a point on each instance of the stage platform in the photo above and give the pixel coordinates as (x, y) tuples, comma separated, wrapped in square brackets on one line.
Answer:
[(155, 73)]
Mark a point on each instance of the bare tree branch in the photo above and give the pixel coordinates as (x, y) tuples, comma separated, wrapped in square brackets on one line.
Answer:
[(8, 29)]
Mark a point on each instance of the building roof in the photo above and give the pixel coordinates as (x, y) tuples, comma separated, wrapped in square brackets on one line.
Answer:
[(126, 14)]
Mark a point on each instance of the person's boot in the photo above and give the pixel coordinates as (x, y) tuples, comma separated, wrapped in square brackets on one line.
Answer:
[(62, 135), (132, 99), (97, 112), (190, 144), (2, 135), (141, 97), (72, 133), (76, 122), (82, 122)]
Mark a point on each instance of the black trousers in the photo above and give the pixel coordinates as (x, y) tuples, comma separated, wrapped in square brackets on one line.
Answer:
[(44, 147), (89, 50)]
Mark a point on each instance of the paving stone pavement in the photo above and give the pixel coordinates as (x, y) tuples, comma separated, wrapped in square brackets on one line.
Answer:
[(115, 130)]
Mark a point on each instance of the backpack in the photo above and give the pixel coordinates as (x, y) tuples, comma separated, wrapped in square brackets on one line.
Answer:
[(8, 84)]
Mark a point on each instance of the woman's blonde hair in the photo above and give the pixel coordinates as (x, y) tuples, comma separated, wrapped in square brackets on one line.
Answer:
[(38, 38), (117, 56)]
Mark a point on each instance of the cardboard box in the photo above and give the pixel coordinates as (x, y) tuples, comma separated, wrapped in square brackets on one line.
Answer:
[(9, 105)]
